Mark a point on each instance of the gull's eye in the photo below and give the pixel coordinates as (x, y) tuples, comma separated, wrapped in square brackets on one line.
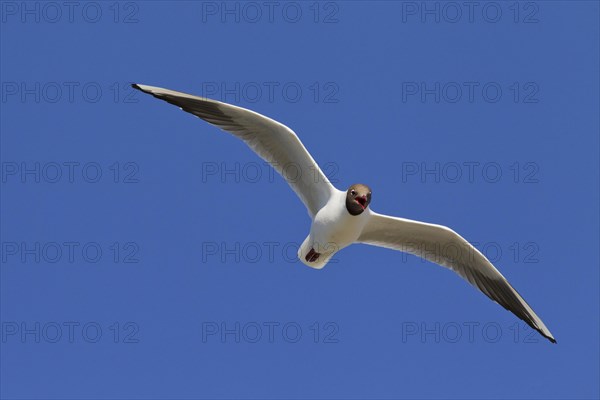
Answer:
[(353, 192)]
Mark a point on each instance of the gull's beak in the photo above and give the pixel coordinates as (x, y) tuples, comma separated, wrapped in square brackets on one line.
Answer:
[(362, 201)]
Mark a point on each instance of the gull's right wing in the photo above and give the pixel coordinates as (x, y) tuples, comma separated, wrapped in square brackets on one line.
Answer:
[(272, 141)]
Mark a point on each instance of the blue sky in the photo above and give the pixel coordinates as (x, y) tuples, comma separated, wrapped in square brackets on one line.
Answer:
[(146, 254)]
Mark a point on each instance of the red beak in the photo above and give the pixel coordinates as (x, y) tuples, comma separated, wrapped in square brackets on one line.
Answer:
[(362, 201)]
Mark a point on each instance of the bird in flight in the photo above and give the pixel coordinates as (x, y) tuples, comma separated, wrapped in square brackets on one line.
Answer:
[(341, 218)]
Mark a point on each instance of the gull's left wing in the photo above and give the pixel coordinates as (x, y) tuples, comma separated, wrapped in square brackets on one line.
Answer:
[(445, 247)]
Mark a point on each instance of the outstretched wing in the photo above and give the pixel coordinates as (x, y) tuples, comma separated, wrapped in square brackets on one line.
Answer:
[(445, 247), (272, 141)]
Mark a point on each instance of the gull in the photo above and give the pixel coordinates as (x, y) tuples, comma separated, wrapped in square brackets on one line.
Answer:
[(341, 218)]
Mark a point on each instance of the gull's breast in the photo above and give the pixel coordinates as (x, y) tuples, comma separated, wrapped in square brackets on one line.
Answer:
[(334, 226)]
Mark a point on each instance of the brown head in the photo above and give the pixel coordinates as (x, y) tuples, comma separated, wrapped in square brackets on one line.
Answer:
[(358, 198)]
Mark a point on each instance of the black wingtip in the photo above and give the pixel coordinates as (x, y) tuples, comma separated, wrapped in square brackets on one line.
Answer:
[(550, 338), (150, 92), (541, 332), (136, 86)]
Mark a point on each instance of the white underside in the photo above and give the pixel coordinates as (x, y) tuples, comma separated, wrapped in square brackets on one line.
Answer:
[(332, 229)]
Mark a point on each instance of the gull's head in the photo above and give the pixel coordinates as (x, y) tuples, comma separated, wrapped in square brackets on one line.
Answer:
[(358, 198)]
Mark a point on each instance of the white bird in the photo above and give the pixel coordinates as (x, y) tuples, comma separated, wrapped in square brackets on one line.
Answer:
[(341, 218)]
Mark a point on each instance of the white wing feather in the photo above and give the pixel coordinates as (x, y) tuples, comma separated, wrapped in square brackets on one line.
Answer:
[(272, 141), (445, 247)]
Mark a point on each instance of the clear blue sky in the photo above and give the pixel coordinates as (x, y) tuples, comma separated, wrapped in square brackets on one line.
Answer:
[(147, 254)]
